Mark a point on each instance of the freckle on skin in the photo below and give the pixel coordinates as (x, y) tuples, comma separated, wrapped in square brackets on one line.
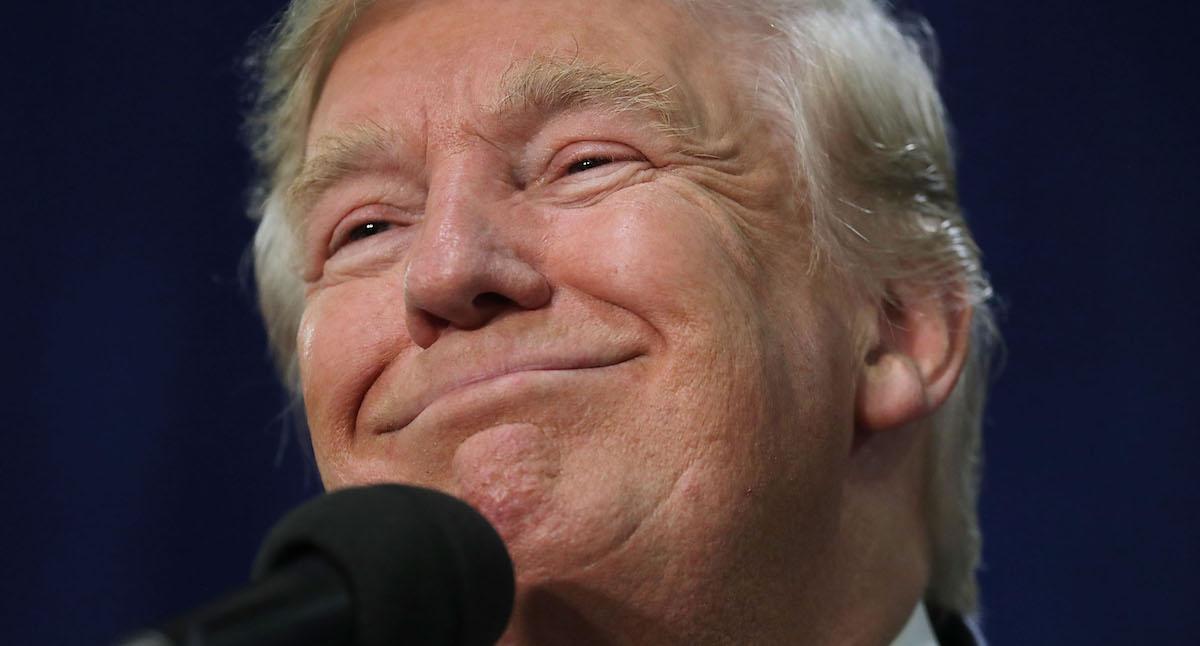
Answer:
[(507, 472)]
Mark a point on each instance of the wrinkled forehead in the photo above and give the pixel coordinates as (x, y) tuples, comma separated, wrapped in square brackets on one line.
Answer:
[(478, 55)]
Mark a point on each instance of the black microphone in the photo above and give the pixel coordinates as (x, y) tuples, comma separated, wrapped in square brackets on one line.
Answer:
[(369, 566)]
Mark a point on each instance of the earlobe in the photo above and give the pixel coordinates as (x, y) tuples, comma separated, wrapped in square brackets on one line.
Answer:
[(920, 346), (890, 393)]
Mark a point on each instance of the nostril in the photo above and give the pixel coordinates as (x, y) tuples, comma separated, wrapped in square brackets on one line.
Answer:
[(491, 300)]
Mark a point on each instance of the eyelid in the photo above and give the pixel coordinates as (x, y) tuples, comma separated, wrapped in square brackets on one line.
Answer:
[(375, 212), (583, 150)]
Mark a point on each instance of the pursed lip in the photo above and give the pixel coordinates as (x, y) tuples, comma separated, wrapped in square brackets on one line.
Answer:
[(418, 394)]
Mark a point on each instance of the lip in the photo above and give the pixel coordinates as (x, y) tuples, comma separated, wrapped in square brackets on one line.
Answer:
[(449, 382)]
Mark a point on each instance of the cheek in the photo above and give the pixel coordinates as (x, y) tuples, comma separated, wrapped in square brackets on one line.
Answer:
[(664, 262), (669, 264), (349, 333)]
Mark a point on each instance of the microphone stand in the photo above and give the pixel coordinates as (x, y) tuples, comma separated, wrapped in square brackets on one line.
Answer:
[(304, 604)]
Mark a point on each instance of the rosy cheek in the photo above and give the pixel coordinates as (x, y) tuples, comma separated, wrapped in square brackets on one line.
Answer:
[(318, 371), (655, 262), (347, 335)]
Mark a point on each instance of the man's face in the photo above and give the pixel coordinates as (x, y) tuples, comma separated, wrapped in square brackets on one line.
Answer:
[(528, 289)]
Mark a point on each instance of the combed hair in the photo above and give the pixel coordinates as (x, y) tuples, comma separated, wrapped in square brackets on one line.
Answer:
[(853, 90)]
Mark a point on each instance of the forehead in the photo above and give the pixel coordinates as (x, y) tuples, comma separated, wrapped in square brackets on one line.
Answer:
[(445, 59)]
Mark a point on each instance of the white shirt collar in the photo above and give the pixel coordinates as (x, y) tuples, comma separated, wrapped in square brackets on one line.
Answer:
[(918, 631)]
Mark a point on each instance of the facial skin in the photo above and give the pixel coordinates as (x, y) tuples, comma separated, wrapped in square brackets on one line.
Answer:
[(602, 333)]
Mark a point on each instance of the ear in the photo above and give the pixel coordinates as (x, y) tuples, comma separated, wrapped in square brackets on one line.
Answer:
[(918, 350)]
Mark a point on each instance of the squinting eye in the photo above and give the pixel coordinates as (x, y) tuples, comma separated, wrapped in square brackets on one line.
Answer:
[(588, 164), (367, 230)]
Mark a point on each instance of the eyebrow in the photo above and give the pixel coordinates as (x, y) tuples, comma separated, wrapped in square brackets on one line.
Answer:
[(541, 86), (550, 85), (352, 151)]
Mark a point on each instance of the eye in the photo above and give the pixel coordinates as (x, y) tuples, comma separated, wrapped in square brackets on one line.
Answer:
[(588, 163), (367, 230), (580, 164), (366, 222)]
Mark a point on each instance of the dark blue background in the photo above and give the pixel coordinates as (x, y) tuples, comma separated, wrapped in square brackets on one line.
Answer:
[(142, 457)]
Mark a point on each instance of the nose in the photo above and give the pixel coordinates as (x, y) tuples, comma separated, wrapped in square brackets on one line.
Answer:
[(462, 272)]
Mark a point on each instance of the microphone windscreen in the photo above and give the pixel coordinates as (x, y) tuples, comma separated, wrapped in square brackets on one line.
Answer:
[(422, 567)]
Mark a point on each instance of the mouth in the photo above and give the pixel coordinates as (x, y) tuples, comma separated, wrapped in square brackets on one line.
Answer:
[(500, 377)]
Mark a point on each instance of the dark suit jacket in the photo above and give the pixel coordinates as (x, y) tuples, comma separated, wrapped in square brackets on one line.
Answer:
[(950, 628)]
